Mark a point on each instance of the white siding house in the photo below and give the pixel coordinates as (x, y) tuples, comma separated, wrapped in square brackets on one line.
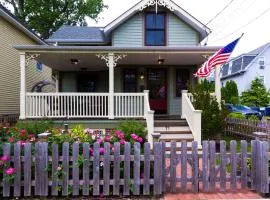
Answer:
[(247, 67)]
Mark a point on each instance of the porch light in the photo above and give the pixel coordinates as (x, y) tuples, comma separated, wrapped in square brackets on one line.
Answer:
[(161, 61), (74, 61), (142, 76)]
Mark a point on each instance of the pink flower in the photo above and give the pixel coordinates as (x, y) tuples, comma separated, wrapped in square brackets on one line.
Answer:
[(5, 158), (88, 130), (99, 140), (140, 140), (11, 139), (107, 138), (59, 168), (91, 150), (101, 150), (10, 171), (119, 134), (22, 133), (122, 142), (134, 137)]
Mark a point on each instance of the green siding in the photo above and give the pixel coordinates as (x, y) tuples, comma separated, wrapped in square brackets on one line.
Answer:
[(180, 34), (129, 33)]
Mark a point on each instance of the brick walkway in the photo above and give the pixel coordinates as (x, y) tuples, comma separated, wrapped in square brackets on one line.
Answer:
[(238, 195)]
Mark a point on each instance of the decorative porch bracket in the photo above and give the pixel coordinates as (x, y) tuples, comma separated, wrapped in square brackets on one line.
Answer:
[(24, 62), (164, 3), (111, 60)]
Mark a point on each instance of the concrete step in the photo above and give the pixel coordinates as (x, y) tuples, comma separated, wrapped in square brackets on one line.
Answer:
[(176, 137), (161, 123), (172, 129)]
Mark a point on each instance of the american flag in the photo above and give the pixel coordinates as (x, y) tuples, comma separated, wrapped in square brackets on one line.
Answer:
[(219, 58)]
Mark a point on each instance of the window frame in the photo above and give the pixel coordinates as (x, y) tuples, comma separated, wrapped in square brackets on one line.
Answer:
[(155, 29)]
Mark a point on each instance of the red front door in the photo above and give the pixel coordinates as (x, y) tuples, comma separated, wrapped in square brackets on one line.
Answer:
[(157, 86)]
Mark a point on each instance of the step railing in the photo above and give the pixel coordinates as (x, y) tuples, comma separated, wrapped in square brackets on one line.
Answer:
[(192, 116), (149, 117)]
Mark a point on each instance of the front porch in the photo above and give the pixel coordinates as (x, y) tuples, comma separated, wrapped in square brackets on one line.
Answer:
[(139, 81)]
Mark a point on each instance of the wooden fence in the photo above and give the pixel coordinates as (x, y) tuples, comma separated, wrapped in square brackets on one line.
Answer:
[(245, 127), (70, 170)]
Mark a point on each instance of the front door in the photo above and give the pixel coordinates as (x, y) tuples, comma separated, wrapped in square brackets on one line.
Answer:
[(157, 86)]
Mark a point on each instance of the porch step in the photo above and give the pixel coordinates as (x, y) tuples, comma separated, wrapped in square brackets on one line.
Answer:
[(161, 123), (172, 129)]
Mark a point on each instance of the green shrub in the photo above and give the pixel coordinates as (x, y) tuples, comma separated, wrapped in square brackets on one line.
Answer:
[(35, 126), (253, 118), (213, 119), (229, 93), (236, 115), (132, 126), (78, 134)]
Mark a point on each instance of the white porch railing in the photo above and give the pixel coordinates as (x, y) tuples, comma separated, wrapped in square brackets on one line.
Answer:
[(149, 117), (84, 105), (192, 116)]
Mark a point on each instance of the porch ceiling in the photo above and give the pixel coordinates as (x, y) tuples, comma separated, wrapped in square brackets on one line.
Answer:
[(59, 58)]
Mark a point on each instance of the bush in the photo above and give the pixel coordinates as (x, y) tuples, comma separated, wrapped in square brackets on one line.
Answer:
[(129, 127), (36, 126), (236, 115), (213, 119)]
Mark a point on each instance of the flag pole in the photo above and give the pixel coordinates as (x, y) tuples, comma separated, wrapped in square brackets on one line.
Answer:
[(218, 85)]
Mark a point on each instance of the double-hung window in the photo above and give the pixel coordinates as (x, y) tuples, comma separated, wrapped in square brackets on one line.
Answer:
[(155, 29)]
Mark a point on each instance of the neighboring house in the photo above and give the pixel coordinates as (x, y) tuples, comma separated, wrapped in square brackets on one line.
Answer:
[(103, 72), (246, 67), (13, 32)]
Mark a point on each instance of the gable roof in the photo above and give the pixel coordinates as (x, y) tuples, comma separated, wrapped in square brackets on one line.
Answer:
[(7, 15), (78, 34), (177, 10), (98, 35), (240, 64)]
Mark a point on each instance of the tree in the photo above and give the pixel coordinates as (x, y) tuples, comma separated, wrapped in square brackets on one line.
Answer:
[(257, 95), (46, 16), (229, 93)]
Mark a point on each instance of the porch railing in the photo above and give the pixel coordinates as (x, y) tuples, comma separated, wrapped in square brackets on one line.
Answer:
[(192, 116), (84, 105)]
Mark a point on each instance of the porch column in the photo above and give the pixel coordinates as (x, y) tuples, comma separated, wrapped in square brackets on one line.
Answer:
[(111, 62), (22, 86), (111, 85)]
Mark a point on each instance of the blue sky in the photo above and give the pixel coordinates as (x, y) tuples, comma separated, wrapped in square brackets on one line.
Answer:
[(225, 28)]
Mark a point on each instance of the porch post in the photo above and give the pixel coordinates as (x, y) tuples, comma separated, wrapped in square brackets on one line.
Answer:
[(218, 85), (111, 85), (22, 86)]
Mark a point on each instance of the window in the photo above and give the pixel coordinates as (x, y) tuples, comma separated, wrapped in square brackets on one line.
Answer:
[(262, 79), (39, 66), (155, 29), (130, 80), (182, 81)]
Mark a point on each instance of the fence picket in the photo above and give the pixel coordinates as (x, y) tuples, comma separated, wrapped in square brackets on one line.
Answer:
[(233, 165), (86, 169), (265, 170), (37, 169), (55, 160), (253, 166), (6, 184), (116, 169), (184, 166), (157, 168), (146, 170), (96, 168), (212, 158), (127, 169), (65, 170), (44, 169), (195, 167), (17, 166), (243, 164), (137, 178), (164, 179), (75, 169), (223, 163), (205, 166), (106, 169), (27, 169), (173, 163)]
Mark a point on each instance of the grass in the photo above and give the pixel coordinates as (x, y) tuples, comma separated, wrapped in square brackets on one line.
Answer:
[(228, 138)]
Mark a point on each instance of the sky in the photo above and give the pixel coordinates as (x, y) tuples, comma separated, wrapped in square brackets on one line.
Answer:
[(250, 17)]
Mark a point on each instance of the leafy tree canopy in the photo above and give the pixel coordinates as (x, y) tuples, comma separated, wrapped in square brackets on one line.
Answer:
[(257, 95), (46, 16), (229, 93)]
